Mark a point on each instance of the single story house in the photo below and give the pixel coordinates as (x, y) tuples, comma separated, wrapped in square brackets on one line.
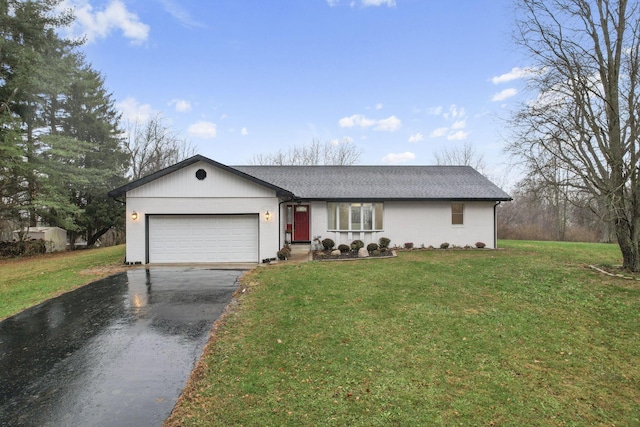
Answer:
[(202, 211)]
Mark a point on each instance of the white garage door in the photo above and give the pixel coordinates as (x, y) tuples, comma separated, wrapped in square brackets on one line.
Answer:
[(203, 238)]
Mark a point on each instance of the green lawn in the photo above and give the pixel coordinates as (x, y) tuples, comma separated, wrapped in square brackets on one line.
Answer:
[(527, 335), (29, 281)]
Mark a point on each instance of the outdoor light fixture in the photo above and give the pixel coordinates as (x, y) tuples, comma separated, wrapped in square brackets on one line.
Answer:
[(134, 215), (267, 216)]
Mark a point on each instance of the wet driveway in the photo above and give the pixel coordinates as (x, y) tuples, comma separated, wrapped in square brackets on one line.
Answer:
[(114, 353)]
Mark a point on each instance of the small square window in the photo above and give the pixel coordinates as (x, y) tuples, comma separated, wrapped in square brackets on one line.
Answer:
[(457, 213)]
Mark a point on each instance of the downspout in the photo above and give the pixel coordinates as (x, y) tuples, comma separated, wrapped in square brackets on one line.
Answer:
[(495, 225)]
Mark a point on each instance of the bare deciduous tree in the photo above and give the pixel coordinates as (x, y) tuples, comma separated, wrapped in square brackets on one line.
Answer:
[(585, 114), (339, 153), (152, 146), (464, 155)]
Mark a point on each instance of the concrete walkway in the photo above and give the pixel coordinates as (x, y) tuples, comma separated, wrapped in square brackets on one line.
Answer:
[(300, 253)]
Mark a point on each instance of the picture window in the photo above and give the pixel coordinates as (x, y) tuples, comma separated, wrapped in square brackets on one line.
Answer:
[(355, 216)]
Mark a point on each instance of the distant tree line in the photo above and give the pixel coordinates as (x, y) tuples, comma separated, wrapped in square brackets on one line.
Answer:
[(542, 212), (62, 146), (330, 153), (541, 209)]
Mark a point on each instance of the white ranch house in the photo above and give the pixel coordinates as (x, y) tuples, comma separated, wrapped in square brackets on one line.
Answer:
[(201, 211)]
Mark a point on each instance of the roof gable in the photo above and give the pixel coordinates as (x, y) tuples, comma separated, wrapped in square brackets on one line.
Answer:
[(121, 191)]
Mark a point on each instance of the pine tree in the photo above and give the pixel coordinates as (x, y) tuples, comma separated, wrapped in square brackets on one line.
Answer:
[(91, 117), (60, 149)]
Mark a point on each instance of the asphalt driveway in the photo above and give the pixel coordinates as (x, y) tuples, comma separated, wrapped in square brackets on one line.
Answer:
[(116, 352)]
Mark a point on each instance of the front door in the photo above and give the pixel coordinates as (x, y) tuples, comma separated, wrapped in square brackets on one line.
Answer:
[(301, 223)]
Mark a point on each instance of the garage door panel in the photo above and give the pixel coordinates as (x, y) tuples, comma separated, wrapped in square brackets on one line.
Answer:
[(203, 238)]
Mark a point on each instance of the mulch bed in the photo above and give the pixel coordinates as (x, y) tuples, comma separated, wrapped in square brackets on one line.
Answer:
[(351, 255)]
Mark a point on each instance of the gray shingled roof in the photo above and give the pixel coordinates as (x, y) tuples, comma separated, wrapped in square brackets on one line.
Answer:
[(379, 182), (354, 183)]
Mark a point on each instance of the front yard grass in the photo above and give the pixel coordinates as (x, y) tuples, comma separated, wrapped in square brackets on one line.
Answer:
[(527, 335), (25, 282)]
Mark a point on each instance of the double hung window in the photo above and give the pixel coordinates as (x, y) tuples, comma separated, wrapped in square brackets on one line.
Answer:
[(457, 213)]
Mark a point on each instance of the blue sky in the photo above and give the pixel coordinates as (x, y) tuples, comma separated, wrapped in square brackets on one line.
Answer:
[(402, 79)]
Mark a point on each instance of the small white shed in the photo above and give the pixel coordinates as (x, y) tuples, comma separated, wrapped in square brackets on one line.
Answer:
[(55, 237)]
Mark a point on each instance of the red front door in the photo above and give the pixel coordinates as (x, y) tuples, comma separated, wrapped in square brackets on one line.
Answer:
[(301, 223)]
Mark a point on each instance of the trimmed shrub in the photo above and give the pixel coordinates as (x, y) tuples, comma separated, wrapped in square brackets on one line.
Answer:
[(375, 252), (480, 245), (344, 248), (408, 245), (444, 245), (357, 244), (383, 242), (328, 244), (383, 250), (372, 247)]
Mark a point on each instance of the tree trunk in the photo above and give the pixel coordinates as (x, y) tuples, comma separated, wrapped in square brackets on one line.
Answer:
[(94, 238), (628, 242)]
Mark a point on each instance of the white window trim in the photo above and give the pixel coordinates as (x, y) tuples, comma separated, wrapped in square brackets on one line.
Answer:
[(463, 215), (350, 229)]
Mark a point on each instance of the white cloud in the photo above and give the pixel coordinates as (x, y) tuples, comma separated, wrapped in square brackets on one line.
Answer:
[(458, 136), (439, 132), (504, 94), (356, 120), (435, 111), (460, 124), (181, 105), (416, 137), (379, 106), (180, 13), (389, 124), (365, 3), (389, 3), (133, 111), (244, 131), (516, 73), (396, 158), (203, 129), (454, 112), (99, 24)]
